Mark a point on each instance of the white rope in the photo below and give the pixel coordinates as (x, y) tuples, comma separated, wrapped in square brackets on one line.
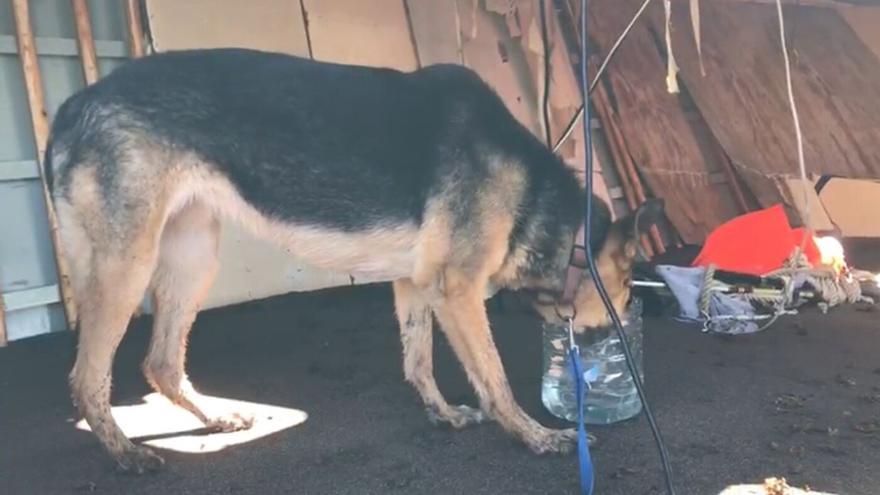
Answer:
[(577, 116), (671, 65), (797, 124)]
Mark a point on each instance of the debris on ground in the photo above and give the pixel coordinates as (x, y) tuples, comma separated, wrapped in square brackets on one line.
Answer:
[(738, 286), (868, 427), (771, 486), (788, 402), (845, 380)]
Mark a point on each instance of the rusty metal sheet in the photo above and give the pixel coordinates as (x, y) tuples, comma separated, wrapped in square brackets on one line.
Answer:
[(743, 96), (658, 135)]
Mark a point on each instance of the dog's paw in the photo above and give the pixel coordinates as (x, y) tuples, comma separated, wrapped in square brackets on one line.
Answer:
[(547, 441), (138, 460), (230, 422), (456, 416)]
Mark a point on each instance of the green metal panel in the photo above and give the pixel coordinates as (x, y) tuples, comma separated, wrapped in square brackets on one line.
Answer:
[(28, 279)]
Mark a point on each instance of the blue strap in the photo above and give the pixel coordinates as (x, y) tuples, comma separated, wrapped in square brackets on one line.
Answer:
[(585, 461)]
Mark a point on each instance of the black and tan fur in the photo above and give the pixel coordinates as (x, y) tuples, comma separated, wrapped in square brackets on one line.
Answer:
[(423, 178)]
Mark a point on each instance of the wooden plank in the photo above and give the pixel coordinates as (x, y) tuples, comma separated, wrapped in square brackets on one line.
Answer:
[(40, 122), (3, 337), (63, 47), (135, 25), (626, 168), (819, 220), (85, 41), (744, 101), (564, 95), (433, 27), (732, 178), (864, 22), (269, 25), (656, 130), (492, 53), (374, 33), (854, 218)]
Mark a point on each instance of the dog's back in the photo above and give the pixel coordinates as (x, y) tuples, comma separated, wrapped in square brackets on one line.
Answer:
[(305, 141)]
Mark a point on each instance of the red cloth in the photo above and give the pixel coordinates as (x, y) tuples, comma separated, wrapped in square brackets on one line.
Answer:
[(755, 243)]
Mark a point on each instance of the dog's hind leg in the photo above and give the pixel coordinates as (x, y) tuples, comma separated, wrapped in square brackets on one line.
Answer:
[(416, 331), (462, 314), (109, 287), (184, 273)]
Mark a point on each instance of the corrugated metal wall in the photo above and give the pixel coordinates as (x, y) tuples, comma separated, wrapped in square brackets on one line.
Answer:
[(28, 278)]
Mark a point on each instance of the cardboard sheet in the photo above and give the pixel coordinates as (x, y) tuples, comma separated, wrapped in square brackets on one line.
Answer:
[(374, 33), (269, 25), (852, 204)]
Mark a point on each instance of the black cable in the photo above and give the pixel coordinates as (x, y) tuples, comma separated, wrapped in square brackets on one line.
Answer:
[(600, 286), (545, 107)]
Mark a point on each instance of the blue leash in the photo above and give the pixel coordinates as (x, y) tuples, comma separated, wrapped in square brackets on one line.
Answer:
[(584, 460)]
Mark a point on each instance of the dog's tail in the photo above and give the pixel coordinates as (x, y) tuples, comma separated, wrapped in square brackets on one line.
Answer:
[(68, 128), (48, 171)]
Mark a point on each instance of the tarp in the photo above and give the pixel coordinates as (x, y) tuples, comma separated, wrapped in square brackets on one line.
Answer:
[(755, 243)]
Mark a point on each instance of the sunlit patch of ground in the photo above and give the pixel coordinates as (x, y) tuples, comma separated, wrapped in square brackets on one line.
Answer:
[(159, 423), (771, 486)]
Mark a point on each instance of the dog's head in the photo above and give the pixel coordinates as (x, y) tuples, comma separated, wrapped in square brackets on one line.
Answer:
[(614, 261)]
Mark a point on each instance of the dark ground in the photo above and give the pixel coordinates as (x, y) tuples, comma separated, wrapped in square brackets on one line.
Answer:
[(801, 400)]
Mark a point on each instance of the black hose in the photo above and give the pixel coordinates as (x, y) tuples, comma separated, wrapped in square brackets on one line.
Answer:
[(600, 287)]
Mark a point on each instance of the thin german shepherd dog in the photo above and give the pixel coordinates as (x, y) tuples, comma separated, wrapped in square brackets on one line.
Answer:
[(422, 178)]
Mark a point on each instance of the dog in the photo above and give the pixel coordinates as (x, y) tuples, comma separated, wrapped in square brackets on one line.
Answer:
[(422, 178)]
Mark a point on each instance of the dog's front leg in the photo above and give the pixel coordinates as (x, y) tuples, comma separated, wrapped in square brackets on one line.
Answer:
[(462, 314), (416, 336)]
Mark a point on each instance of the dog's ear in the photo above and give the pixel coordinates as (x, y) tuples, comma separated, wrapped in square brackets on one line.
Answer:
[(648, 214)]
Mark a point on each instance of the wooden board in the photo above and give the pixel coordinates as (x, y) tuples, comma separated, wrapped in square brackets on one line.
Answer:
[(3, 337), (250, 268), (794, 194), (864, 21), (269, 25), (499, 59), (657, 131), (485, 46), (433, 27), (30, 67), (853, 218), (134, 23), (85, 41), (744, 101), (374, 33)]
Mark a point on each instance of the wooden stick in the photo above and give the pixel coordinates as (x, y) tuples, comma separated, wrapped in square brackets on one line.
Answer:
[(732, 180), (86, 41), (605, 118), (617, 158), (3, 339), (600, 99), (629, 179), (135, 28), (27, 52)]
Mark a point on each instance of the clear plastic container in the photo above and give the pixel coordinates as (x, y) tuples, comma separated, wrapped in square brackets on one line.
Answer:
[(612, 397)]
